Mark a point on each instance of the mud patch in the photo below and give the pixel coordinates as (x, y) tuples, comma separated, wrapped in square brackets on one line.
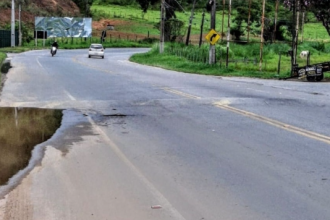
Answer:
[(5, 67), (21, 129)]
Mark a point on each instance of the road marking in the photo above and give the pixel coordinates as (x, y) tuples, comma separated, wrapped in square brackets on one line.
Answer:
[(323, 138), (224, 104), (158, 195), (180, 93), (39, 63), (70, 96)]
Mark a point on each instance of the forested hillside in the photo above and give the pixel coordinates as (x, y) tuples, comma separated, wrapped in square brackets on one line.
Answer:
[(33, 8)]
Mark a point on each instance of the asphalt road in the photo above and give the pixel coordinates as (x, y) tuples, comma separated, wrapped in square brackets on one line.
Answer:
[(145, 143)]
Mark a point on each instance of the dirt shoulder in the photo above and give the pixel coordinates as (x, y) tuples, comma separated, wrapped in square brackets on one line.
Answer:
[(2, 82), (4, 67)]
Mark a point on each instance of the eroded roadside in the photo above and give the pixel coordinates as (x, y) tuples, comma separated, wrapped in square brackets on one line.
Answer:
[(21, 129), (4, 68)]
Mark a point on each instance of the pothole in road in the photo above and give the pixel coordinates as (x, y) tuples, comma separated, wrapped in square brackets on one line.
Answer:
[(21, 129), (115, 115)]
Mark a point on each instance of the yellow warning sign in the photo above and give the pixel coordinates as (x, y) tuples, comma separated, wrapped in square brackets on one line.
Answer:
[(212, 37)]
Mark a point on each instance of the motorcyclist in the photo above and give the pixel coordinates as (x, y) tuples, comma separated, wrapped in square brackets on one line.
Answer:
[(54, 44)]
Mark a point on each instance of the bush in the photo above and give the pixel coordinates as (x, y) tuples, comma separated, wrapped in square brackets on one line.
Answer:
[(313, 46), (149, 40)]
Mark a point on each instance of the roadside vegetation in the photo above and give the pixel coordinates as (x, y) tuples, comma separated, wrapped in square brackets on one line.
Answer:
[(2, 56), (244, 60), (243, 57)]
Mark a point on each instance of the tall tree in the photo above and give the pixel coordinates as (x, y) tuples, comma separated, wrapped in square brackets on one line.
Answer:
[(84, 6), (146, 3), (244, 11), (320, 8), (173, 27)]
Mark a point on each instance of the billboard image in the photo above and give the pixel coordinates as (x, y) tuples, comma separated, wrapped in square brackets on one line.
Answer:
[(64, 26)]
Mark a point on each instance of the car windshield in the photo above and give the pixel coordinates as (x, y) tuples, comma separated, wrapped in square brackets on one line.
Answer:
[(96, 47)]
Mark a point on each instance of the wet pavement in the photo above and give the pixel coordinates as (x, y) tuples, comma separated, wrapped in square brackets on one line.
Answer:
[(21, 130)]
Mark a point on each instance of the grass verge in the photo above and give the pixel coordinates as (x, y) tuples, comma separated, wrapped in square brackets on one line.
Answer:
[(195, 60), (182, 64)]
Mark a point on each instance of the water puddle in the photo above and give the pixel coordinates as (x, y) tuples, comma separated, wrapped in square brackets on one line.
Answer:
[(21, 129)]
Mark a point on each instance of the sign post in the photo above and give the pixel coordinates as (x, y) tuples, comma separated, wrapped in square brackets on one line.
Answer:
[(13, 23)]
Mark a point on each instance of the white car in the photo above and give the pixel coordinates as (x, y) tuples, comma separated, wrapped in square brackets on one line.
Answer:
[(96, 50)]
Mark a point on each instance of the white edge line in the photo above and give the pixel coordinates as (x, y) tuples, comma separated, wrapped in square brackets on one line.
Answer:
[(158, 195), (70, 96)]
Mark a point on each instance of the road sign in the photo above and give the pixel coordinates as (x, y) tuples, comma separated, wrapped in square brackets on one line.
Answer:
[(212, 37)]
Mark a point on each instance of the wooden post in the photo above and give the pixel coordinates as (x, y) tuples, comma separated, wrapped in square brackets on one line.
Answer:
[(162, 27), (249, 18), (212, 47), (228, 33), (190, 21), (262, 33), (202, 26), (223, 17)]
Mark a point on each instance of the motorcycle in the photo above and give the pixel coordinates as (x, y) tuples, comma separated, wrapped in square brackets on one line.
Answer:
[(53, 51)]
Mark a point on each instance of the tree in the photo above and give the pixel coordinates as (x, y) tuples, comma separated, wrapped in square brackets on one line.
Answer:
[(173, 27), (242, 8), (84, 6), (320, 8), (146, 3)]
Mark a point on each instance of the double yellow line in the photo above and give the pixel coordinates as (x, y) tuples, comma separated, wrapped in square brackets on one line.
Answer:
[(225, 105), (186, 95), (275, 123)]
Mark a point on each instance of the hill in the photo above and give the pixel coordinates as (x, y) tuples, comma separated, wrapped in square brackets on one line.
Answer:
[(41, 8)]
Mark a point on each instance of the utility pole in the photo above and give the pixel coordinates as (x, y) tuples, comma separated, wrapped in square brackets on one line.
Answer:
[(190, 21), (212, 47), (12, 23), (262, 32), (162, 26), (19, 27), (296, 32), (302, 26), (295, 27), (228, 33)]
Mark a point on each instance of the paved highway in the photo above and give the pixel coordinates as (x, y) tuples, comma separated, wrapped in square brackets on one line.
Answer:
[(144, 143)]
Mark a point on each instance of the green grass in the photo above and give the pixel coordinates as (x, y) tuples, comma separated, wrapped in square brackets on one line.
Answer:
[(142, 23), (315, 32), (2, 58), (195, 60), (182, 64)]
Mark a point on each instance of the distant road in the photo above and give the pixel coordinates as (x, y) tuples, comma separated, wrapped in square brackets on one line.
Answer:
[(144, 143)]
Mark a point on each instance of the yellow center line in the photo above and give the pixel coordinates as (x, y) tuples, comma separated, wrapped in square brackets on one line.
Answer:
[(180, 93), (297, 130)]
